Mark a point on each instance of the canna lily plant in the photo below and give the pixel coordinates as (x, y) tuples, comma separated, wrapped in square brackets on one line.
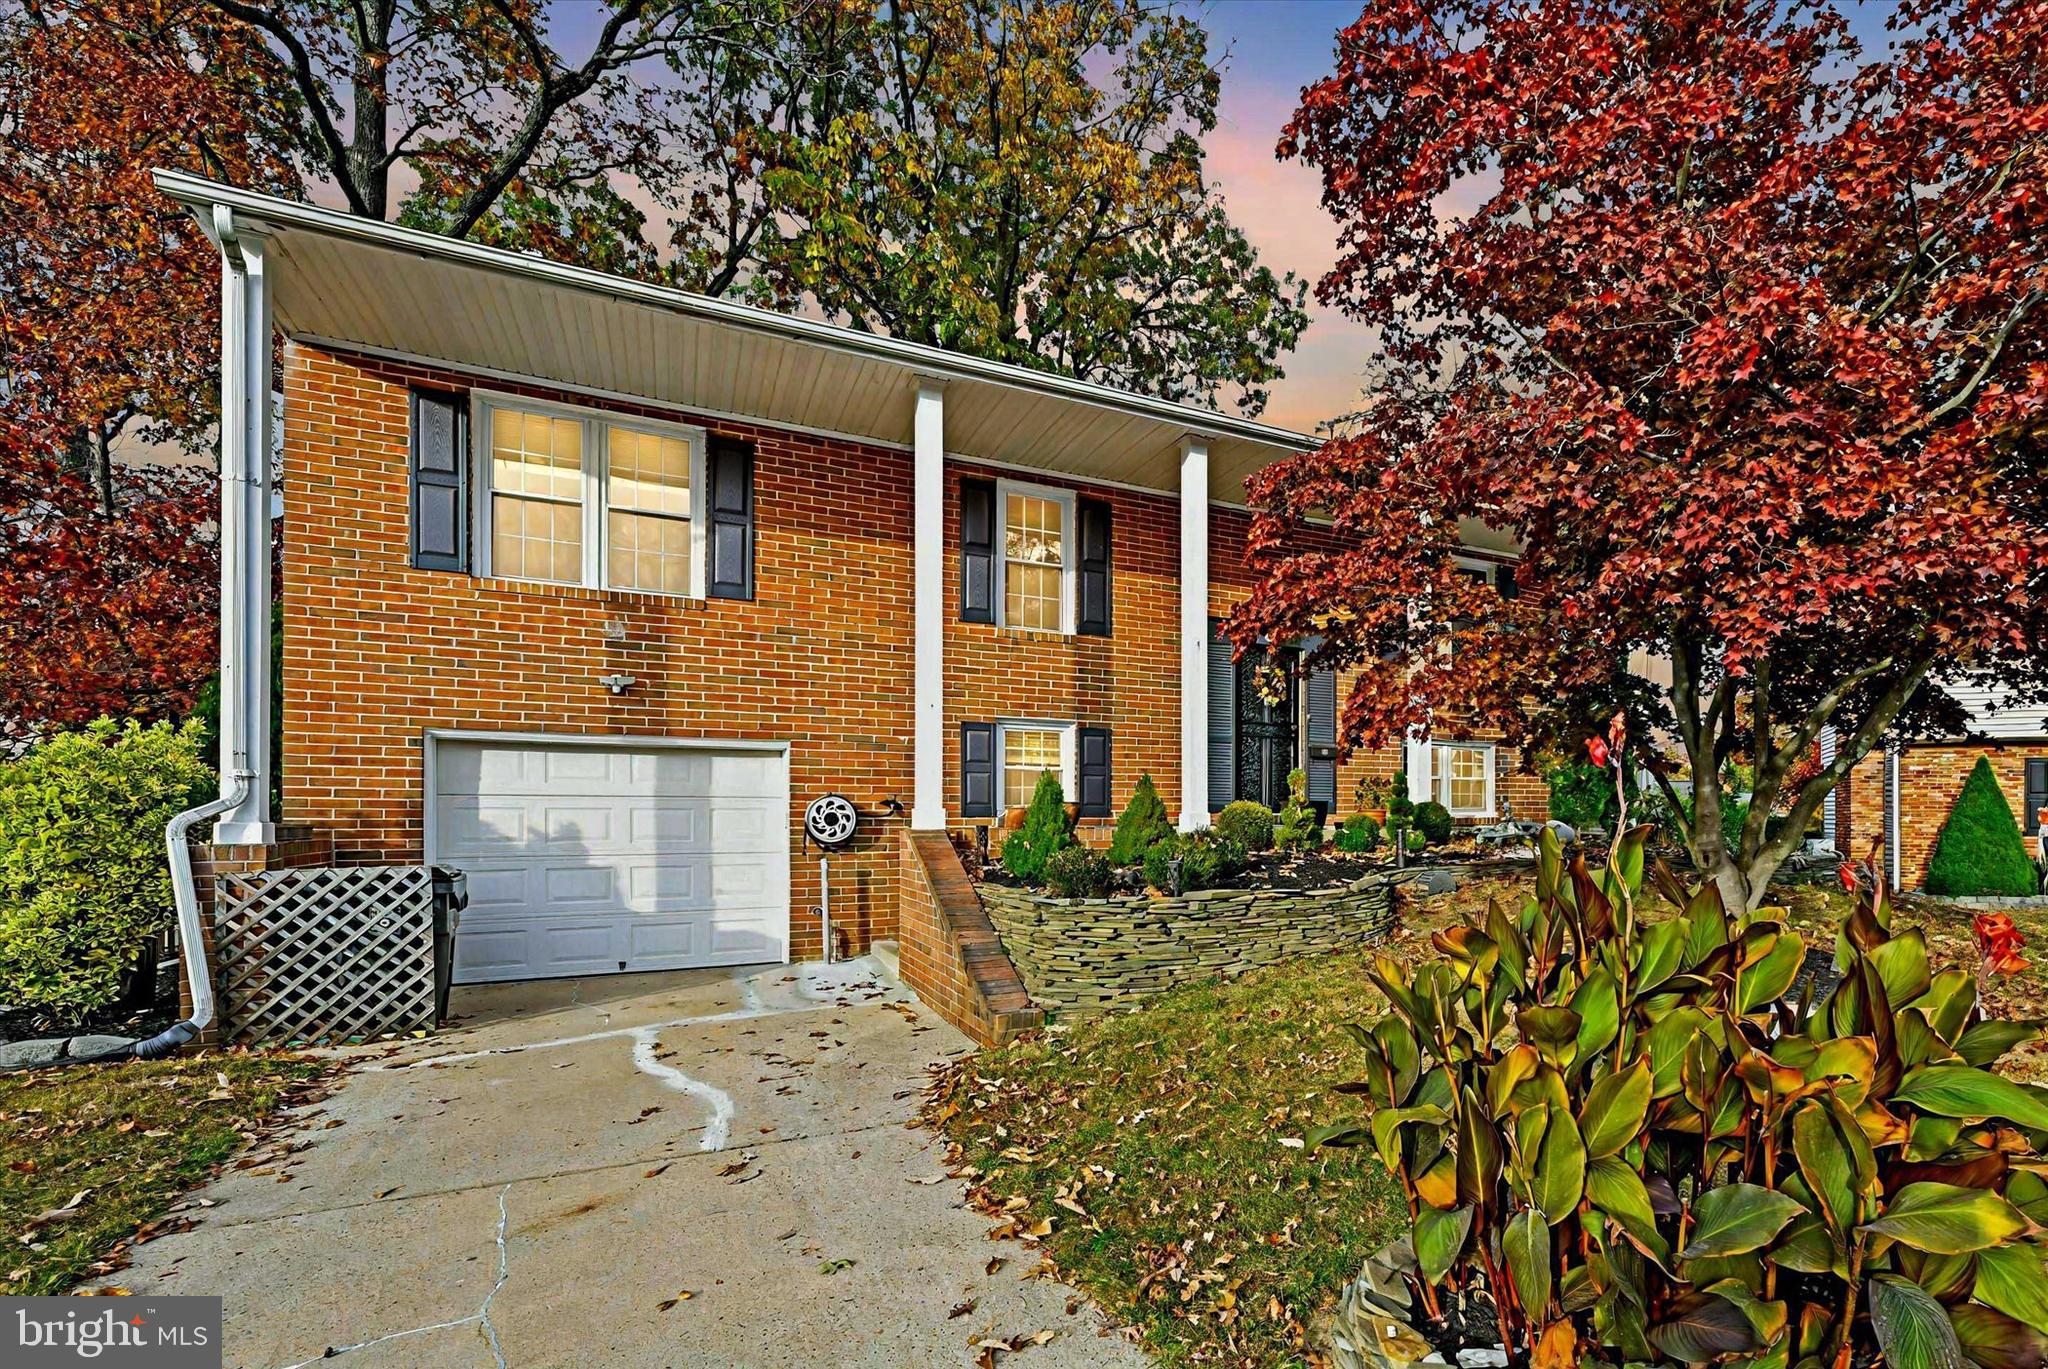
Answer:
[(1676, 1143)]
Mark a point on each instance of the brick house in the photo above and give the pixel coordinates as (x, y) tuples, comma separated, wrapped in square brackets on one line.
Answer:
[(1901, 796), (591, 586)]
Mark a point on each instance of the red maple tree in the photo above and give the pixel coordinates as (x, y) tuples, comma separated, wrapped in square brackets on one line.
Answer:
[(1735, 328), (109, 333)]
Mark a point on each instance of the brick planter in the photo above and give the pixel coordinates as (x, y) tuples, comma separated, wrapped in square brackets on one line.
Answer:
[(1088, 954)]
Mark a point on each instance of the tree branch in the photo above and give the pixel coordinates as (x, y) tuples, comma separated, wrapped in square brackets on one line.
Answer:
[(310, 87)]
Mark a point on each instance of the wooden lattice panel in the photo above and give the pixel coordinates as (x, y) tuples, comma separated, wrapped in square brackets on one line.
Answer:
[(325, 954)]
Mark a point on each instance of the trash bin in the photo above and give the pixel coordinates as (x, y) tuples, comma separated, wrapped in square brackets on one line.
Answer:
[(451, 896)]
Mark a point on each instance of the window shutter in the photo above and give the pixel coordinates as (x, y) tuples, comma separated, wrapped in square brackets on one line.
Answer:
[(1504, 580), (977, 551), (440, 480), (977, 770), (1093, 765), (2037, 794), (1322, 737), (1222, 720), (729, 529), (1093, 618)]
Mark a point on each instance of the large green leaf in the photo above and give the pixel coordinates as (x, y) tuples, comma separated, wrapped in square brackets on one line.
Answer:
[(1480, 1152), (1439, 1236), (1912, 1329), (1552, 1030), (1965, 1091), (1666, 1041), (1828, 1167), (1902, 965), (1947, 1220), (2011, 1279), (1615, 1108), (1735, 1219), (1767, 981), (1807, 1247), (1598, 1004), (1702, 1327), (1561, 1169), (1618, 1191), (1526, 1243), (1663, 947), (1982, 1043), (1993, 1340)]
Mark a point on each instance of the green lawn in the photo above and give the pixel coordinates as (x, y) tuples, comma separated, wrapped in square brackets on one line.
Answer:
[(1155, 1141), (93, 1153)]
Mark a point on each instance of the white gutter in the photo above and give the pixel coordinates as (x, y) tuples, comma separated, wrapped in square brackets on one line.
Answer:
[(207, 198), (1892, 843)]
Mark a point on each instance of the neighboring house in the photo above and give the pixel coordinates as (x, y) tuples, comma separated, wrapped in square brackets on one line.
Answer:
[(1901, 796), (591, 586)]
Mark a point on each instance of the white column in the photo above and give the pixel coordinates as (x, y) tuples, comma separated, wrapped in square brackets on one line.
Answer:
[(245, 485), (1416, 762), (928, 490), (1194, 633)]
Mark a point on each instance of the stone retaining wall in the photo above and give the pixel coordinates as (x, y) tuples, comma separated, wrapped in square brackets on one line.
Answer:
[(1088, 954)]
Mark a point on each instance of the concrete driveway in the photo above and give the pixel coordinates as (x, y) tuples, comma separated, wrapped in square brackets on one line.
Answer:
[(535, 1186)]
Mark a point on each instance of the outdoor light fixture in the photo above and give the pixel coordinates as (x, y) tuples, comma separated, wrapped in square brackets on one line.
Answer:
[(618, 684)]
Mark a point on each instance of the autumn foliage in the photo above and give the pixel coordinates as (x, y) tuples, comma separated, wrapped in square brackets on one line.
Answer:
[(1735, 328)]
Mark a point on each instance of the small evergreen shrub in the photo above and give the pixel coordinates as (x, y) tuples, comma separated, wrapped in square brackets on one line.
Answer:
[(1045, 831), (1358, 835), (1077, 872), (1400, 808), (1248, 824), (1417, 843), (1980, 850), (1433, 821), (1295, 827), (84, 880), (1205, 861), (1143, 822), (1581, 794)]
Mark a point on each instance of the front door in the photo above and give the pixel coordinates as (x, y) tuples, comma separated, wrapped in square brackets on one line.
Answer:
[(1266, 745)]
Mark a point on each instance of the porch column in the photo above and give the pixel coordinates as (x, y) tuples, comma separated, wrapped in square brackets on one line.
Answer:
[(1194, 633), (928, 492), (245, 494)]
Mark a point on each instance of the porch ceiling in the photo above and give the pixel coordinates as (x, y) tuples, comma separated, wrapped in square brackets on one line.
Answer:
[(347, 281)]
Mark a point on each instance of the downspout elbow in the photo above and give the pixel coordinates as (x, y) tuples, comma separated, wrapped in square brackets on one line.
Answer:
[(191, 933)]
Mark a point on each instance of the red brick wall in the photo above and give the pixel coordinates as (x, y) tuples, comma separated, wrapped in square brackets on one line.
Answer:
[(1930, 779), (950, 954)]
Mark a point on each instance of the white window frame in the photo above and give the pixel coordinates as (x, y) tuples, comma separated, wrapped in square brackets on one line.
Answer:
[(597, 424), (1070, 551), (1439, 776), (1068, 755)]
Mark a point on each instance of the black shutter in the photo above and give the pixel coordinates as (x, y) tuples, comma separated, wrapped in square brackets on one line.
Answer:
[(440, 480), (1322, 738), (2037, 794), (1222, 719), (730, 531), (977, 551), (1094, 772), (1093, 619), (977, 770), (1504, 580)]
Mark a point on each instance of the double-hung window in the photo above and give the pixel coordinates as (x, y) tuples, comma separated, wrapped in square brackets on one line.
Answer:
[(1037, 567), (577, 497), (1026, 750), (1464, 778)]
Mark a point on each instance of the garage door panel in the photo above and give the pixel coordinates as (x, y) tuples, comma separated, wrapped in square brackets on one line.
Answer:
[(584, 860)]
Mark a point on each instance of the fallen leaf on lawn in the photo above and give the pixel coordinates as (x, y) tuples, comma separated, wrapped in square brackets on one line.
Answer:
[(1041, 1227), (23, 1166), (1291, 1142), (667, 1303), (961, 1309), (995, 1263)]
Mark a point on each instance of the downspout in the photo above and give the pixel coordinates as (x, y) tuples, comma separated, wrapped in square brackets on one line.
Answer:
[(1892, 843)]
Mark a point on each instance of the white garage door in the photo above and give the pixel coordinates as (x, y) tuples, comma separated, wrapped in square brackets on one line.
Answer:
[(597, 859)]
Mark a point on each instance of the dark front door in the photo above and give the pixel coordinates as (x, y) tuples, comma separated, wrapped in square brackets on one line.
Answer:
[(1266, 745)]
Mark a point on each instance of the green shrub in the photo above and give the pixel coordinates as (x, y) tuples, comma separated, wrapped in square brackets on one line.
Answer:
[(1980, 850), (1358, 834), (1417, 843), (1647, 1157), (84, 880), (1248, 824), (1045, 831), (1433, 821), (1143, 822), (1077, 872), (1205, 861), (1581, 794), (1295, 827), (1400, 808)]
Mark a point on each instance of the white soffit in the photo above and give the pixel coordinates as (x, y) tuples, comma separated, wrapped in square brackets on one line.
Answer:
[(347, 281)]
